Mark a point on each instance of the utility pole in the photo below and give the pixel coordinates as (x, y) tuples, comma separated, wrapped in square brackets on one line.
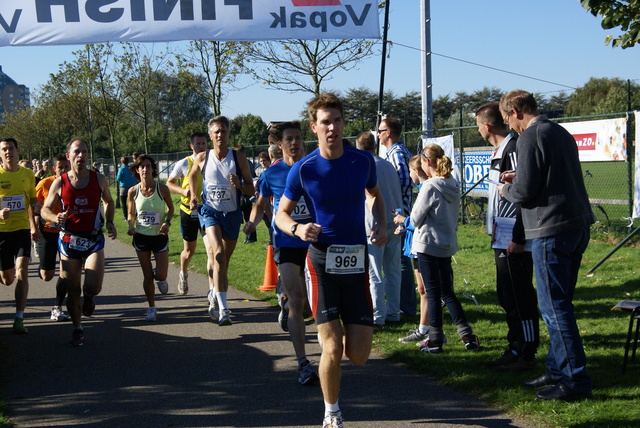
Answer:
[(427, 97)]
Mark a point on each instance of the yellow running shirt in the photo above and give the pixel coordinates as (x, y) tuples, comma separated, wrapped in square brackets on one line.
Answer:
[(16, 191)]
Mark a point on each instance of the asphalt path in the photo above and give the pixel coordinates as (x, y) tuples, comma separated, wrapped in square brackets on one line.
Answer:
[(186, 371)]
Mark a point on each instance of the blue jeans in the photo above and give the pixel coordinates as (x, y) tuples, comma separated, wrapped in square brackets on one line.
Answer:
[(408, 300), (384, 278), (556, 260)]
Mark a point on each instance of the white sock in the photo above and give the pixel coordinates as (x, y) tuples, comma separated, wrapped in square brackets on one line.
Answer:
[(222, 300), (184, 275), (19, 314), (423, 329), (331, 408)]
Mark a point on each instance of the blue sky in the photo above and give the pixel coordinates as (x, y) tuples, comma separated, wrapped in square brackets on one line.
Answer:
[(552, 40)]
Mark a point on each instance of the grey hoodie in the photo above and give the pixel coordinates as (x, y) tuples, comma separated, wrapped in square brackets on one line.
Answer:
[(435, 217)]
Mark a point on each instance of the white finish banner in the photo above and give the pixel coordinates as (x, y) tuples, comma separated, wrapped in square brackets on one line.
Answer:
[(54, 22), (636, 193), (600, 140)]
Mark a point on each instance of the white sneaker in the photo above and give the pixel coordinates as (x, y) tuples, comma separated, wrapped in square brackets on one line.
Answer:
[(183, 284), (36, 251), (163, 286), (151, 314), (332, 420), (57, 314), (225, 319), (214, 312)]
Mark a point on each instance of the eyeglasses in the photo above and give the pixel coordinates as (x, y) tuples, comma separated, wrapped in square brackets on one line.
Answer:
[(506, 120), (382, 130), (425, 157)]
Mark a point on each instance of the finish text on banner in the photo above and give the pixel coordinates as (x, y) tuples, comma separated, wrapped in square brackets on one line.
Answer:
[(51, 22)]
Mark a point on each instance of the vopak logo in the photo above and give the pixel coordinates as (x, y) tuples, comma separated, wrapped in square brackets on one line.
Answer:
[(322, 19), (82, 201)]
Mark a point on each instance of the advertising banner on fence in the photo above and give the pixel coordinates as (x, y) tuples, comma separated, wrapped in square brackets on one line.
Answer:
[(476, 165), (636, 192), (600, 140), (51, 22)]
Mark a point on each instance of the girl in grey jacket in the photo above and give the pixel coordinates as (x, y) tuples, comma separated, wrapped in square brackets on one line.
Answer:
[(435, 219)]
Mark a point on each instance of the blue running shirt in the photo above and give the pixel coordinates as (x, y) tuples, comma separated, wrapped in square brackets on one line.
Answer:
[(334, 190), (272, 183)]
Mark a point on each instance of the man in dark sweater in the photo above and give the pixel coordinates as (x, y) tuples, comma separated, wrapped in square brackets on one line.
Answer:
[(556, 213)]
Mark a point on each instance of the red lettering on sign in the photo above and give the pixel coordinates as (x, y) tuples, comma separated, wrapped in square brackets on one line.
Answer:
[(586, 141), (316, 2)]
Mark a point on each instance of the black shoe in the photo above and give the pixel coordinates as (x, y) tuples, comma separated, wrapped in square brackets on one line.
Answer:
[(507, 357), (540, 382), (562, 392)]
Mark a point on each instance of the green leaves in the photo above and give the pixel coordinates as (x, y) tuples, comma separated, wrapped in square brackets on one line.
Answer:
[(617, 13)]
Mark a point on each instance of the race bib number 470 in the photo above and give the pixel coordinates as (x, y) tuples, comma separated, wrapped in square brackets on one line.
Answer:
[(345, 259)]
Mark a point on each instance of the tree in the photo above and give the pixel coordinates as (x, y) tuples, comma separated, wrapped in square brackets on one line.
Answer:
[(142, 84), (603, 95), (220, 64), (617, 13), (303, 65), (248, 130)]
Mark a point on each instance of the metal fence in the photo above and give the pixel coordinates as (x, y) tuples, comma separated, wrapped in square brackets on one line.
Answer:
[(609, 184)]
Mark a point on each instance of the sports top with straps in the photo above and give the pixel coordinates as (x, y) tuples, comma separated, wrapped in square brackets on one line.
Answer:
[(82, 205), (151, 212), (184, 183), (217, 190)]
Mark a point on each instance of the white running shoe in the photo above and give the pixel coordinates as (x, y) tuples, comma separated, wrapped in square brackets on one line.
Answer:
[(57, 314), (183, 284), (214, 311), (151, 314), (332, 420), (414, 336), (225, 318)]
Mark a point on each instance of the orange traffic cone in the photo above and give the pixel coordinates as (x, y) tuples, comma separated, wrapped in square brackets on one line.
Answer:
[(270, 273)]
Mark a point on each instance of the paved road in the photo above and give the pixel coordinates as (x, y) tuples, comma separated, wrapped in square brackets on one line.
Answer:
[(185, 371)]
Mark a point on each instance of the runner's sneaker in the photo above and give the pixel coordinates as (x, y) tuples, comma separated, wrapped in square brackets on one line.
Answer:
[(224, 318), (77, 338), (214, 312), (36, 250), (471, 342), (183, 284), (163, 286), (151, 314), (333, 420), (306, 374), (431, 347), (414, 336), (18, 326), (57, 314), (283, 317), (422, 342), (88, 306)]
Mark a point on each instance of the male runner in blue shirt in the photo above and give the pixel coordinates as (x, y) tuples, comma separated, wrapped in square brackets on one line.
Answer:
[(334, 180)]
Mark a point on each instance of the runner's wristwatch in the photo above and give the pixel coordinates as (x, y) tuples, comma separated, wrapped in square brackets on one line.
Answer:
[(294, 228)]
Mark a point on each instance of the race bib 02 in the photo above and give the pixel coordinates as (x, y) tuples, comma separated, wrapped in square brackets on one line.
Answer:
[(345, 259), (301, 211), (15, 203)]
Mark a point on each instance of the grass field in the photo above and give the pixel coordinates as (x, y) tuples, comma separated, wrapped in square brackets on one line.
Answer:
[(616, 397)]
